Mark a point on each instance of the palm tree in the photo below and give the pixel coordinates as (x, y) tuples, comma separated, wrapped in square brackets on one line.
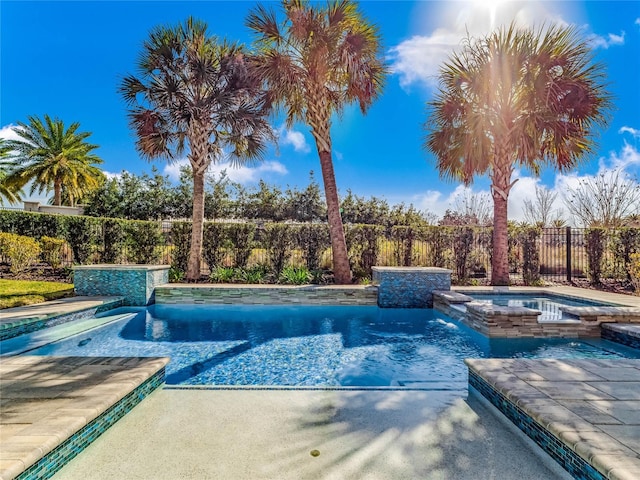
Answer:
[(315, 62), (53, 158), (7, 192), (517, 97), (194, 90)]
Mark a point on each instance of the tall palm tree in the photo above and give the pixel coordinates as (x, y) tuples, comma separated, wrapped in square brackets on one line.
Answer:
[(315, 62), (516, 97), (52, 157), (195, 91), (7, 192)]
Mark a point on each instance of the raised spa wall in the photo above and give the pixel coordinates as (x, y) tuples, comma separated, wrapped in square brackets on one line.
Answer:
[(135, 283)]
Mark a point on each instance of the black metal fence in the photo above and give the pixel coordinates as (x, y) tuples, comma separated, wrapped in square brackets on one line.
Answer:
[(551, 254)]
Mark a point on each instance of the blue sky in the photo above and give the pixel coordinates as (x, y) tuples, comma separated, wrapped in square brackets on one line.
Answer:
[(66, 59)]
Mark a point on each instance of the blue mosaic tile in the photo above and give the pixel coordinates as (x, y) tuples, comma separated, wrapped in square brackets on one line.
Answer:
[(52, 462), (567, 458), (619, 337), (29, 325)]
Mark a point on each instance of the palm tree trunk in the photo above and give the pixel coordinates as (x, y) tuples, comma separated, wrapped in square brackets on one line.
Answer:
[(195, 254), (341, 268), (500, 257), (500, 187), (57, 192)]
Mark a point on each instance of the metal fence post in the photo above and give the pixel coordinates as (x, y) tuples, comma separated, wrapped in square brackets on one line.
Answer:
[(568, 240)]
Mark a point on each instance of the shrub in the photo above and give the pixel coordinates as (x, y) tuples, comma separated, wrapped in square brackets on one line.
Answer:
[(313, 240), (528, 237), (438, 238), (295, 275), (403, 237), (634, 271), (595, 240), (222, 275), (114, 237), (143, 240), (32, 224), (175, 275), (278, 242), (241, 237), (256, 274), (20, 251), (213, 244), (181, 240), (363, 247), (52, 250), (462, 246), (81, 233)]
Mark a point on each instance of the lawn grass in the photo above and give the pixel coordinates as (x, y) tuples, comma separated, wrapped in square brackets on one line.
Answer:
[(15, 293)]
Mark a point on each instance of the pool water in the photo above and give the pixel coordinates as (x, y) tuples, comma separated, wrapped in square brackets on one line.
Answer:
[(315, 346), (549, 305)]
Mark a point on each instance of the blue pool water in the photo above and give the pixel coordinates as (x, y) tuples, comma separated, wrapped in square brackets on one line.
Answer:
[(549, 305), (312, 345)]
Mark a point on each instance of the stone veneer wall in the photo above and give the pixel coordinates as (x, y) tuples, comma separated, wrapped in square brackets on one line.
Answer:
[(136, 283), (409, 287), (266, 295)]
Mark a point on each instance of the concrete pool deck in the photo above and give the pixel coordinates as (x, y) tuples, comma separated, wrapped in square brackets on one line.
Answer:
[(271, 434)]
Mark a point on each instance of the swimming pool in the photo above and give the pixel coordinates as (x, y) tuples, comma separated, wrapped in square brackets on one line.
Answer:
[(313, 346)]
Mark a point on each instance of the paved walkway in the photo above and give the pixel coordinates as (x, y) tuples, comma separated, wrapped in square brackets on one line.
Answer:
[(46, 400), (591, 406)]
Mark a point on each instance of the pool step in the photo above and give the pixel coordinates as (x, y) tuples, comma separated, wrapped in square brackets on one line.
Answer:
[(30, 341)]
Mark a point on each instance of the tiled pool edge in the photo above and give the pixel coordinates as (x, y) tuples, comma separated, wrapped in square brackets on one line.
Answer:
[(558, 450), (30, 325), (628, 335), (53, 461)]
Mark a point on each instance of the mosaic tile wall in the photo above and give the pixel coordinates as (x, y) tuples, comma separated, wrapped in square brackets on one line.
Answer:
[(268, 295), (28, 325), (559, 451), (135, 284), (51, 463), (617, 333), (409, 287)]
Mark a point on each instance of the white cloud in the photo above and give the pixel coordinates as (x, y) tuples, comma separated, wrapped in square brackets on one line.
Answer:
[(241, 174), (611, 39), (294, 138), (637, 22), (418, 59), (8, 133), (111, 175), (632, 131)]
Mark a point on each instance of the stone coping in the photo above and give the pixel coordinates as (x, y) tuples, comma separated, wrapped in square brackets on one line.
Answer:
[(490, 309), (47, 400), (603, 312), (587, 407), (452, 296), (125, 266), (628, 329), (560, 290)]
